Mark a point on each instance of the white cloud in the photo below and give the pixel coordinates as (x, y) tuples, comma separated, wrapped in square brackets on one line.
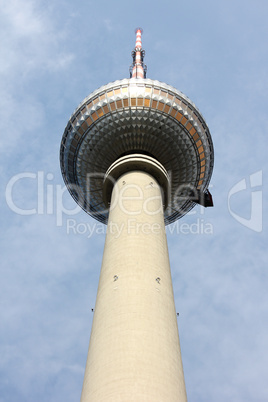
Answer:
[(31, 40)]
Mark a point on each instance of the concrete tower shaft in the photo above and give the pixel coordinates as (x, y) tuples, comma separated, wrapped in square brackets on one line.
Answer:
[(134, 352)]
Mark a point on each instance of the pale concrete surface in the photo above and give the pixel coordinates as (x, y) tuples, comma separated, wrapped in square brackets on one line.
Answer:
[(134, 352)]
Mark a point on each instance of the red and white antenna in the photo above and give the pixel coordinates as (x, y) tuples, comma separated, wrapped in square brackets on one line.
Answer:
[(138, 68)]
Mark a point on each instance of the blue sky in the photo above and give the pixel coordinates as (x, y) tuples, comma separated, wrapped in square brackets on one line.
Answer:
[(52, 56)]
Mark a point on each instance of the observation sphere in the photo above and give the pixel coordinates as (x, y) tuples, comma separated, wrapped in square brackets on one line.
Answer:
[(136, 116)]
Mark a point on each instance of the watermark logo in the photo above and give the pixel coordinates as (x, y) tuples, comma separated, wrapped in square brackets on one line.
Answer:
[(254, 222), (53, 199), (133, 226)]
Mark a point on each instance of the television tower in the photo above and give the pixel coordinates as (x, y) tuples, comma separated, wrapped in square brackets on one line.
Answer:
[(136, 154)]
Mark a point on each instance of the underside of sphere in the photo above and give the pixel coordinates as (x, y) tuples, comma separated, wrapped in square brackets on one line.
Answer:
[(136, 116)]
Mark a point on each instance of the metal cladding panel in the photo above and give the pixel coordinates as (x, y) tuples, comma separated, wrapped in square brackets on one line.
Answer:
[(132, 116)]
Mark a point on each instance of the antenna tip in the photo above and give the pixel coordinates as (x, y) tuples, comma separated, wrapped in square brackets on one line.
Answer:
[(139, 29)]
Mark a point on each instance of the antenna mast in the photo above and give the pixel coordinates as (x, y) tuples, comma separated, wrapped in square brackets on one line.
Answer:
[(138, 69)]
